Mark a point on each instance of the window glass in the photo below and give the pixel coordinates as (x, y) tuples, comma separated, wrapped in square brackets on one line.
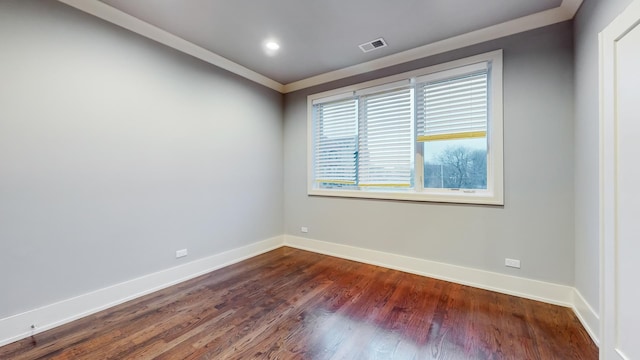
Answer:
[(455, 164), (431, 136)]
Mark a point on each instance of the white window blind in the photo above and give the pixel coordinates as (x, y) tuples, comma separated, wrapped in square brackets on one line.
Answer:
[(386, 139), (453, 108), (335, 142), (433, 134)]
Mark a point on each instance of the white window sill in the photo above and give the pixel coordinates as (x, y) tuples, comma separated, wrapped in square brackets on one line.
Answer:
[(481, 197)]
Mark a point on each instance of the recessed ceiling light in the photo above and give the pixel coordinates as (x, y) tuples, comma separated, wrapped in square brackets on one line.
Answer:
[(272, 45)]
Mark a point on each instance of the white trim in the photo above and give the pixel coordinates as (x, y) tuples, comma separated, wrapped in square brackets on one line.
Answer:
[(512, 285), (17, 327), (526, 23), (476, 197), (551, 293), (332, 98), (122, 19), (384, 87), (602, 128), (608, 167), (453, 72), (438, 68), (571, 7), (622, 355), (587, 316), (566, 11), (492, 195)]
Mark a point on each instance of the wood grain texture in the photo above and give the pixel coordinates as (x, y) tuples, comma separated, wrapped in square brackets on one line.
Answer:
[(293, 304)]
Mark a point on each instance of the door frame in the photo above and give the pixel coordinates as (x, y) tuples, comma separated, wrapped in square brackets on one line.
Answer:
[(608, 39)]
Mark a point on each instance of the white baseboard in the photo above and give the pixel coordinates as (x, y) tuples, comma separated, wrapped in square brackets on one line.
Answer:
[(17, 327), (530, 289), (511, 285), (587, 316)]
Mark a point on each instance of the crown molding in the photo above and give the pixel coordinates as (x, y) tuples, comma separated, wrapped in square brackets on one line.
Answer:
[(566, 11), (571, 7), (122, 19)]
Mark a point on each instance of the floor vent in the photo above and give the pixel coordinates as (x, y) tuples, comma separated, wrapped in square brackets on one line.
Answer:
[(372, 45)]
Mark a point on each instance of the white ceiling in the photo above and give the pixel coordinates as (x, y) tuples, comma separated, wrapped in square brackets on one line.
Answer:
[(319, 39)]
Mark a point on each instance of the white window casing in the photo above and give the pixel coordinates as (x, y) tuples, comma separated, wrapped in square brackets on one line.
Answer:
[(366, 140)]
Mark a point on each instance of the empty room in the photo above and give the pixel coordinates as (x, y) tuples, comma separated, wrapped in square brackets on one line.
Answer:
[(287, 179)]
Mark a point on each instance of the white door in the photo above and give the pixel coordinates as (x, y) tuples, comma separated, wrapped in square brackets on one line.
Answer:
[(620, 186)]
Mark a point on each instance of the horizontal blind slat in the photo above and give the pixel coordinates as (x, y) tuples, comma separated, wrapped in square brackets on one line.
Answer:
[(386, 139), (335, 142), (457, 105)]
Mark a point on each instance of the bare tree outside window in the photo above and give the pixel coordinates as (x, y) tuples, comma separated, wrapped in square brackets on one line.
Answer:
[(457, 167)]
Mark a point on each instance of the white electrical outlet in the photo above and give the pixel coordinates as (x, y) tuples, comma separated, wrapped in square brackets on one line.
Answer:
[(181, 253), (304, 229), (512, 263)]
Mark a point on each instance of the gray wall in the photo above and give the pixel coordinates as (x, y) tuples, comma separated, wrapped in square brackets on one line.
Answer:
[(536, 223), (116, 151), (593, 17)]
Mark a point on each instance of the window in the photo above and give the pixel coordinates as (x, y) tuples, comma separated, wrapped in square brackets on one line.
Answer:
[(433, 134)]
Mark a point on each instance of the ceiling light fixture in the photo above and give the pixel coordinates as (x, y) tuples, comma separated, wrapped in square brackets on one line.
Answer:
[(272, 45)]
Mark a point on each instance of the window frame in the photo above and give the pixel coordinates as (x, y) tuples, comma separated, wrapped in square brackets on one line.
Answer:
[(493, 195)]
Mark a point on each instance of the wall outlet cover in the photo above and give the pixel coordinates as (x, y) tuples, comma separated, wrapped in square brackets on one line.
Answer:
[(512, 263), (181, 253)]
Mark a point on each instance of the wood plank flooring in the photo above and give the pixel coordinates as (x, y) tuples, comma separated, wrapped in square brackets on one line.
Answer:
[(293, 304)]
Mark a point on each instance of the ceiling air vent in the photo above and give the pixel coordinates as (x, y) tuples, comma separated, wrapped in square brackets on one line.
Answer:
[(372, 45)]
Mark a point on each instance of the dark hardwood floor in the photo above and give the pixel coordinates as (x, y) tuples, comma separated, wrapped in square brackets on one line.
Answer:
[(293, 304)]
